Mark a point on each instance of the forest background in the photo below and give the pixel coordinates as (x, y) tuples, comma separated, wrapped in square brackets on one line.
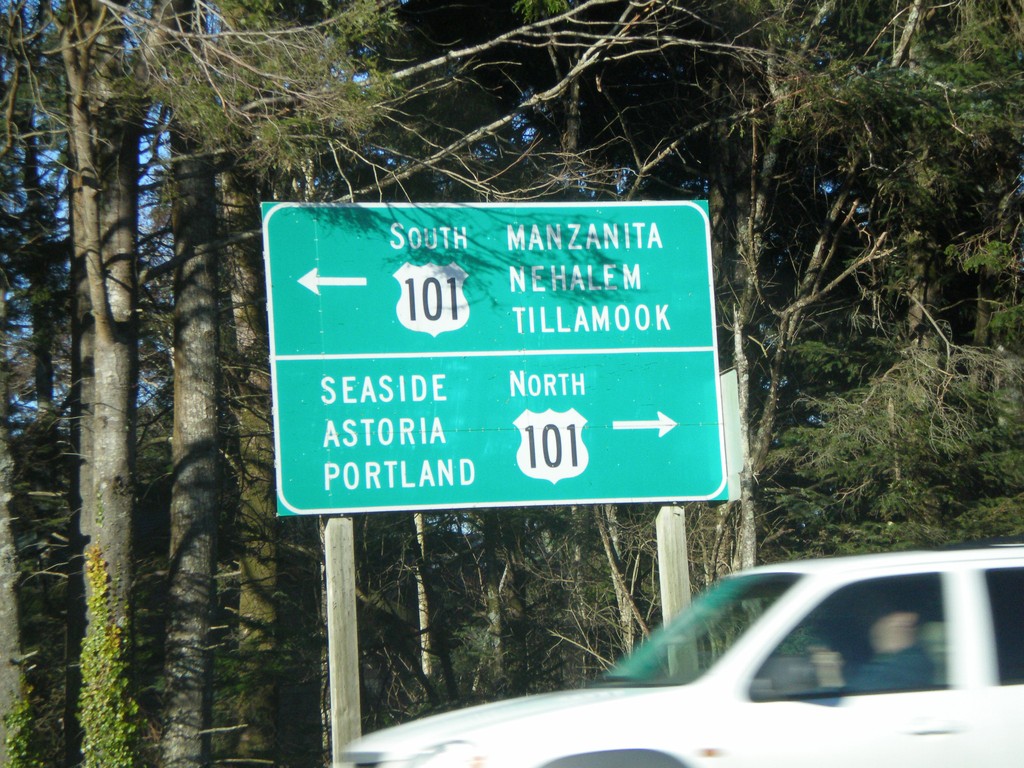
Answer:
[(863, 162)]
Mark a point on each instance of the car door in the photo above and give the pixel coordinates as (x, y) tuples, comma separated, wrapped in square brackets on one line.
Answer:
[(864, 680), (1004, 589)]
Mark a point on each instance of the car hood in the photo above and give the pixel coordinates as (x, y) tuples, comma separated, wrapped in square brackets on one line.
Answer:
[(485, 722)]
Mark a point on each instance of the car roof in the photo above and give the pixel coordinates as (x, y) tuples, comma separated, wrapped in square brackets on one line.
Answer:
[(993, 553)]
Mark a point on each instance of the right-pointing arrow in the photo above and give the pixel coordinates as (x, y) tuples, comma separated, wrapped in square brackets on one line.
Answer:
[(663, 424)]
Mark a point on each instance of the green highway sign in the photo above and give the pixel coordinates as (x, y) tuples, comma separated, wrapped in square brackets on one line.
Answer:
[(446, 356)]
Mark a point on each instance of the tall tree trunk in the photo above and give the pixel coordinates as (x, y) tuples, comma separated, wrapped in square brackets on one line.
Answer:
[(112, 288), (194, 501), (104, 188), (11, 688), (746, 540), (103, 147), (737, 199), (254, 474), (39, 268), (39, 259), (80, 479), (422, 598), (495, 617), (743, 189)]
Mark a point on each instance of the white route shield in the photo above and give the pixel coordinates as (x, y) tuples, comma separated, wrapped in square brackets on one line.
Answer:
[(551, 444), (432, 300)]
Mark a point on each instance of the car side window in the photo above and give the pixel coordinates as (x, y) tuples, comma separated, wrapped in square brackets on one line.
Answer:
[(876, 636), (1006, 594)]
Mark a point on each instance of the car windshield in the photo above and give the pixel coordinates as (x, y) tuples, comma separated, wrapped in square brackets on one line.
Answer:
[(688, 646)]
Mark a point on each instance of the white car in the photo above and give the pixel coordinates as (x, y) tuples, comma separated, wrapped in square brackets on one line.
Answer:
[(913, 660)]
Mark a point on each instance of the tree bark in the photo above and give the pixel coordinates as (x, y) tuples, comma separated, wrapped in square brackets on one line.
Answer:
[(422, 599), (746, 538), (196, 456), (103, 174), (495, 617), (80, 480), (11, 685), (254, 473), (104, 193)]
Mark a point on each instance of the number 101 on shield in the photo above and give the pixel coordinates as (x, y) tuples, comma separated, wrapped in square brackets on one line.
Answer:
[(551, 444), (432, 300)]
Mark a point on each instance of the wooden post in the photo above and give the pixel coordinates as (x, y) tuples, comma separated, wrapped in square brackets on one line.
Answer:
[(342, 638), (674, 575), (673, 563)]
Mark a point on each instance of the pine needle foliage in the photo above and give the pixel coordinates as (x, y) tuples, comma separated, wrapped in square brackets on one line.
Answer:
[(275, 85), (927, 452)]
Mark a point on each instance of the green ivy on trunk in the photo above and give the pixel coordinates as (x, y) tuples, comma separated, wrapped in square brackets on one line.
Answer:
[(108, 713)]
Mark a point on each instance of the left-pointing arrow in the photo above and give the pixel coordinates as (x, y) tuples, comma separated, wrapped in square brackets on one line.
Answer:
[(313, 281), (663, 424)]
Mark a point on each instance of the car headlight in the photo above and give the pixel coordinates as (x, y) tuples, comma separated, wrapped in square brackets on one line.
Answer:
[(453, 754)]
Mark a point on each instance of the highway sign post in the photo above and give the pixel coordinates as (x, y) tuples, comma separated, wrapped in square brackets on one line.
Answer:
[(451, 356)]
